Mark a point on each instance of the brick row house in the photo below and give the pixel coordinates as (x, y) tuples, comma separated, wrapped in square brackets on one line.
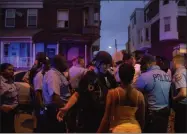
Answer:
[(70, 28), (164, 29)]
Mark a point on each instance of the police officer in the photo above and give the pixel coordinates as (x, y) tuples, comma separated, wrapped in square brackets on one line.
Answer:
[(180, 88), (155, 84), (8, 98), (55, 94), (91, 94), (38, 84)]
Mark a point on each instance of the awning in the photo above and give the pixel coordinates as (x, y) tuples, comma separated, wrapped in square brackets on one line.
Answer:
[(47, 36), (18, 33)]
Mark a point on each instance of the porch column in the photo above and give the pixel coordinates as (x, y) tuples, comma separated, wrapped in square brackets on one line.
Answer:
[(2, 51), (57, 48), (34, 52), (85, 55)]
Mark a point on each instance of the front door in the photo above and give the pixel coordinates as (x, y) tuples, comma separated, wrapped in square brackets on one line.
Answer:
[(51, 50)]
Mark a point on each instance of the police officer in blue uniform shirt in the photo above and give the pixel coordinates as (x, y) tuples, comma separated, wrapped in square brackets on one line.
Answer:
[(91, 94), (55, 94), (180, 98), (155, 84)]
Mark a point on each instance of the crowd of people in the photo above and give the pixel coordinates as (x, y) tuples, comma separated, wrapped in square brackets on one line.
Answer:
[(132, 94)]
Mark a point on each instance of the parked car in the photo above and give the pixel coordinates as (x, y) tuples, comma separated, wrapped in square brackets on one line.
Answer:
[(24, 91)]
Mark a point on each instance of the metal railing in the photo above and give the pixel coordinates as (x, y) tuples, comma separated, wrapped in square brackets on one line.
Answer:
[(19, 62)]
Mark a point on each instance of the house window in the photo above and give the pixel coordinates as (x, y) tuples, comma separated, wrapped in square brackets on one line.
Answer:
[(165, 2), (181, 2), (62, 19), (85, 18), (167, 21), (10, 18), (32, 17), (146, 15), (96, 17), (147, 34)]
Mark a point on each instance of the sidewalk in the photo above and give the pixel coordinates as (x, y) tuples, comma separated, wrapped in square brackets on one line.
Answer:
[(24, 123)]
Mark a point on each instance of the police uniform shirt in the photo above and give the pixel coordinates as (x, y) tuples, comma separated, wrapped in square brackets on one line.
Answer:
[(55, 82), (182, 82), (8, 92), (156, 84), (38, 81)]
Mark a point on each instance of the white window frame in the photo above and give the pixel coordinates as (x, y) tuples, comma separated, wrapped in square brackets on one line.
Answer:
[(96, 18), (6, 17), (167, 24), (32, 15), (146, 15), (85, 18), (61, 10)]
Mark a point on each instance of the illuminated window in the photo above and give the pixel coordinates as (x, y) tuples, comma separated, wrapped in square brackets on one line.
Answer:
[(62, 18)]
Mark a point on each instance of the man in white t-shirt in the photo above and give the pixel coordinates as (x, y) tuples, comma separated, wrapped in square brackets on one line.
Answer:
[(127, 58), (76, 72)]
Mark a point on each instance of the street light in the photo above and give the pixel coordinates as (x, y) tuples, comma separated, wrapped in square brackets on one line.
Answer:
[(109, 47)]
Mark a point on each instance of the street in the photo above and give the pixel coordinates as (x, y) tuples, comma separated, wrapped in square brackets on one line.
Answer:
[(24, 123)]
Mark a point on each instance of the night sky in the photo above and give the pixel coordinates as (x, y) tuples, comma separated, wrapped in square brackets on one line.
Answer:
[(115, 17)]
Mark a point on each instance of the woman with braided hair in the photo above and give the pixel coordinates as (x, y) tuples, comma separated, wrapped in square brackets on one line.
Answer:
[(125, 107)]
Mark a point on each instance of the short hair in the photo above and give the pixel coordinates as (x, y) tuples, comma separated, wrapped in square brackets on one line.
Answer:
[(148, 59), (41, 57), (180, 59), (4, 66), (79, 58), (138, 54), (127, 57), (60, 63), (126, 73)]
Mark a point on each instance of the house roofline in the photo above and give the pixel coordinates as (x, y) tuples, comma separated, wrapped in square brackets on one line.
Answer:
[(26, 4), (147, 5), (16, 37), (136, 9)]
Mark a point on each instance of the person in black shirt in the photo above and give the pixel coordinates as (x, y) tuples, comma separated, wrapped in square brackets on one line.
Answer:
[(91, 94)]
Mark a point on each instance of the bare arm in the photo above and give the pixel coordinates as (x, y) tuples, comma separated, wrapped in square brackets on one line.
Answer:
[(73, 99), (39, 97), (181, 95), (106, 118), (140, 114)]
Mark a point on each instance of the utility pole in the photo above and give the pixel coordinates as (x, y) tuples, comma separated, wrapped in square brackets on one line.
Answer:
[(116, 45)]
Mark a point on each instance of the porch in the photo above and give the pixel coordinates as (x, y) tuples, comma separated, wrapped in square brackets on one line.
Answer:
[(19, 62), (17, 48)]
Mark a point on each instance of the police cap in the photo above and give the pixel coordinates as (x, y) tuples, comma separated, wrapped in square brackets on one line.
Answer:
[(103, 57)]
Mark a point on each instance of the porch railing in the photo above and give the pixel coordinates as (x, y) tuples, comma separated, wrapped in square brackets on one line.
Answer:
[(19, 62)]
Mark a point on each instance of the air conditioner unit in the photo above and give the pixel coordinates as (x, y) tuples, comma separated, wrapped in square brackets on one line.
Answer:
[(19, 14)]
